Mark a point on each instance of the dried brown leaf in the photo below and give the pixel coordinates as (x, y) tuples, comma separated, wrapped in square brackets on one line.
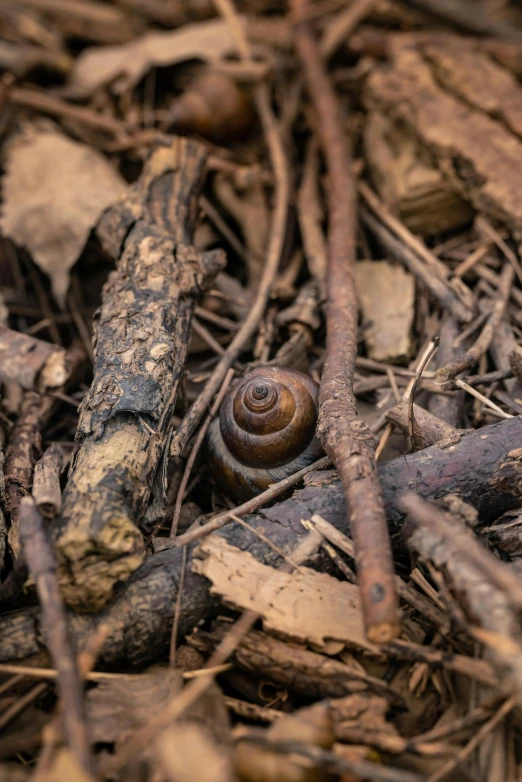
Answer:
[(123, 66), (118, 707), (387, 296), (188, 752), (65, 766), (303, 605), (54, 190)]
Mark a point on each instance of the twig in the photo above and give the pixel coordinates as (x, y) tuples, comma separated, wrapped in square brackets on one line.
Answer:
[(483, 225), (51, 674), (345, 438), (415, 432), (387, 433), (125, 422), (478, 670), (52, 735), (476, 715), (427, 275), (42, 567), (19, 705), (483, 341), (430, 517), (343, 25), (207, 337), (24, 448), (332, 762), (407, 593), (474, 742), (279, 551), (177, 610), (431, 427), (220, 519), (50, 104), (195, 450), (471, 260), (252, 711), (473, 391), (310, 218), (273, 251), (466, 15)]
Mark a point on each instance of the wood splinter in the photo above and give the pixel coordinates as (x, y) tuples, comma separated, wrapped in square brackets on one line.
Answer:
[(30, 362), (141, 338), (345, 438)]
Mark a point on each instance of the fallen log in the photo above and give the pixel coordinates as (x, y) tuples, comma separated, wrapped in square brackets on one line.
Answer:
[(484, 467), (141, 338)]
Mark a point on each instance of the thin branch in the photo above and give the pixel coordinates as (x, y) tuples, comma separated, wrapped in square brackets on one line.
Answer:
[(345, 438), (474, 742), (343, 25), (473, 391), (483, 341), (274, 491), (194, 452), (332, 762), (417, 440), (42, 567), (462, 541)]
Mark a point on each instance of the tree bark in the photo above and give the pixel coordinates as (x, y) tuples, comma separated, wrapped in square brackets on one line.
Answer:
[(141, 337)]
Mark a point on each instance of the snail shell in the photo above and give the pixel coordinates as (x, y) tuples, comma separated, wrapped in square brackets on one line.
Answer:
[(265, 431), (212, 106)]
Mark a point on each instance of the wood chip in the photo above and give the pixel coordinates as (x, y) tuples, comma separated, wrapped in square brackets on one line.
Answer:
[(304, 605)]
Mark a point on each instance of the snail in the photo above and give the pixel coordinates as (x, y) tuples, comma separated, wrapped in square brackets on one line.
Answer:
[(214, 107), (265, 431)]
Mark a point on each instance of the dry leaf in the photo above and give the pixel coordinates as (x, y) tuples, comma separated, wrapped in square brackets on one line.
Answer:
[(118, 707), (65, 767), (303, 605), (188, 752), (387, 296), (54, 190), (125, 65)]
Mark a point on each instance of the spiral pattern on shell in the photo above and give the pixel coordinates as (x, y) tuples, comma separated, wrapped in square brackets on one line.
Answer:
[(265, 431)]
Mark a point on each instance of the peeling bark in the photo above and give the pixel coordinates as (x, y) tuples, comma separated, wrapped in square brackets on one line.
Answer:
[(141, 337), (434, 95)]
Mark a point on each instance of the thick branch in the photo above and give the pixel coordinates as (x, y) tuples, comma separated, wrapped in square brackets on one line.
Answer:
[(484, 467), (141, 338)]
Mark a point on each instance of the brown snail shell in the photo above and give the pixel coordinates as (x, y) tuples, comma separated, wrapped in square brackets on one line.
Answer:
[(265, 431), (213, 106)]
